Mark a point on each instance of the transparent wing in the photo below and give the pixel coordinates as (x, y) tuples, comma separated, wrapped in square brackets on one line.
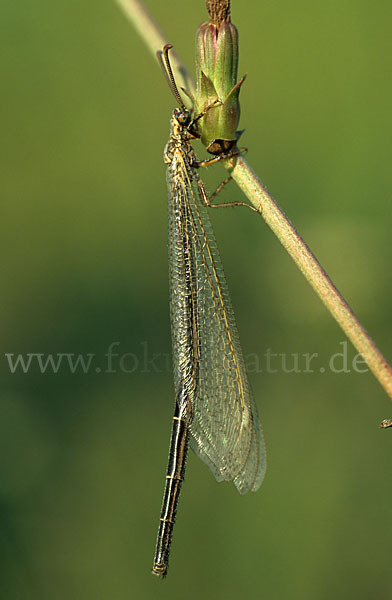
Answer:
[(207, 356)]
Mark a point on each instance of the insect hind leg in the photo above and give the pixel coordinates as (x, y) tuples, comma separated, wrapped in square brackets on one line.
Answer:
[(207, 201)]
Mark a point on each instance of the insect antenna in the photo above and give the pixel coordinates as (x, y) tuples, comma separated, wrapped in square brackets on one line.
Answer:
[(168, 73)]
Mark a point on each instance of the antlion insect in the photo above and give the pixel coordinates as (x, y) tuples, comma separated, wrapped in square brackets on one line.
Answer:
[(214, 409)]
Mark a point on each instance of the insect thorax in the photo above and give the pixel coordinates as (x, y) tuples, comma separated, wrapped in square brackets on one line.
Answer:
[(179, 142)]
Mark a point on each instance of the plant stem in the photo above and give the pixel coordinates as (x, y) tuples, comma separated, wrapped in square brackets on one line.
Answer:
[(313, 271), (155, 39), (275, 218)]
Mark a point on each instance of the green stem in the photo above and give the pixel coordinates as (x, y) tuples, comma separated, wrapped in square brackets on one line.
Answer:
[(312, 270), (277, 220), (155, 39)]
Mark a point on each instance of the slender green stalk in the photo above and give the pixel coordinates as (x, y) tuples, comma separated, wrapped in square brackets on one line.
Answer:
[(277, 221), (312, 270), (155, 39)]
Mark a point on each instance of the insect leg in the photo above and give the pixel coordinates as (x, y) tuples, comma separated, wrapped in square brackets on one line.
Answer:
[(207, 201)]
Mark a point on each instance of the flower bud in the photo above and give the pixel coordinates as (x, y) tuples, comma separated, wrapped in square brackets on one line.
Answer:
[(216, 78)]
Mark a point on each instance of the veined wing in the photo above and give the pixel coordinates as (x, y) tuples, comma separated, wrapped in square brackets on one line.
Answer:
[(207, 356)]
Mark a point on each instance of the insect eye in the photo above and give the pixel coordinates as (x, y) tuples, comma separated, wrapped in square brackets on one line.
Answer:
[(184, 117)]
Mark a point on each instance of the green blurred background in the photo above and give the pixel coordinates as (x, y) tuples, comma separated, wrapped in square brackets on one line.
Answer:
[(84, 119)]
